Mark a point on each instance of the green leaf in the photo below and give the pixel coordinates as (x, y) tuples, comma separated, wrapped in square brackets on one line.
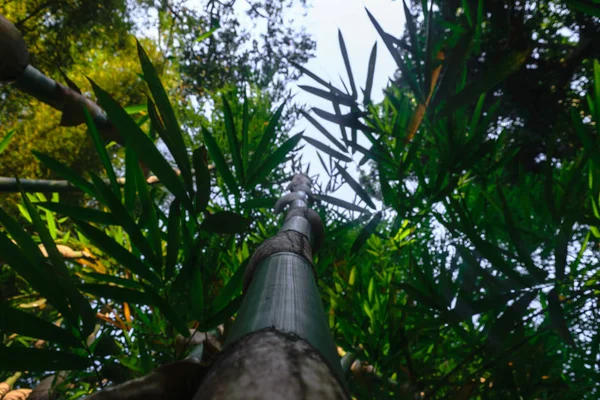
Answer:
[(131, 164), (202, 173), (387, 39), (40, 360), (126, 221), (331, 96), (355, 186), (113, 249), (340, 203), (261, 202), (507, 322), (414, 42), (149, 216), (116, 293), (234, 146), (197, 294), (225, 222), (22, 238), (127, 283), (274, 160), (222, 315), (173, 238), (366, 233), (347, 63), (490, 78), (324, 131), (267, 138), (176, 144), (232, 288), (80, 213), (245, 136), (143, 146), (145, 360), (557, 318), (370, 75), (170, 314), (316, 78), (589, 143), (424, 299), (326, 149), (66, 173), (350, 120), (597, 86), (220, 163), (102, 153), (6, 140), (22, 323)]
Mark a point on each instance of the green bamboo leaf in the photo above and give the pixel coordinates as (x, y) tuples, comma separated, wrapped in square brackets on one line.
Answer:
[(232, 289), (326, 149), (131, 164), (261, 202), (267, 138), (173, 238), (225, 222), (126, 221), (317, 79), (234, 146), (387, 39), (136, 109), (424, 299), (149, 215), (597, 87), (507, 322), (350, 120), (344, 100), (105, 278), (324, 131), (220, 163), (202, 173), (102, 153), (110, 247), (274, 160), (414, 42), (22, 238), (40, 278), (355, 186), (80, 307), (429, 45), (80, 213), (116, 293), (366, 233), (6, 140), (197, 294), (477, 114), (245, 136), (177, 145), (143, 146), (340, 203), (589, 142), (454, 67), (347, 63), (40, 360), (557, 318), (222, 315), (22, 323), (66, 173), (170, 314), (370, 75), (490, 78), (145, 360)]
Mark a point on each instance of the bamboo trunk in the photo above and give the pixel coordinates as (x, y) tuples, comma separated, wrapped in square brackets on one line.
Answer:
[(280, 346)]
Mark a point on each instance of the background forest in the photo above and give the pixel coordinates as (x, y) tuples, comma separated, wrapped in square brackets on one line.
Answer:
[(464, 264)]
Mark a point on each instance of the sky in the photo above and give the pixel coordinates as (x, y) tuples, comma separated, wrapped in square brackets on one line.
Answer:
[(323, 20)]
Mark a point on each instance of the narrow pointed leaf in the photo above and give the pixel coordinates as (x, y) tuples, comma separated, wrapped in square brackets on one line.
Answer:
[(170, 313), (220, 163), (355, 186), (366, 233), (232, 289), (22, 323), (414, 42), (340, 203), (102, 153), (67, 173), (116, 293), (370, 75), (350, 120), (149, 216), (197, 294), (245, 136), (173, 238), (317, 79), (80, 213), (274, 160), (143, 146), (222, 315), (347, 63), (261, 202), (6, 140), (234, 147), (323, 131), (225, 222), (333, 97), (177, 148), (118, 252), (557, 318), (326, 149), (131, 163), (267, 138), (202, 173), (386, 39), (40, 360)]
